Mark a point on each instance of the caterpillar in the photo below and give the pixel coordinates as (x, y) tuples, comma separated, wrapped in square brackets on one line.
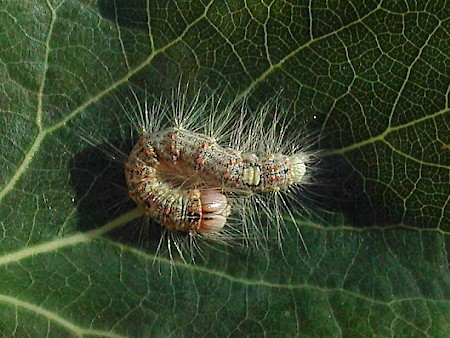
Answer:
[(210, 172), (162, 162)]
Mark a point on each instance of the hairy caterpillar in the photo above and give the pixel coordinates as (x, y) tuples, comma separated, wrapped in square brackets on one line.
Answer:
[(211, 172)]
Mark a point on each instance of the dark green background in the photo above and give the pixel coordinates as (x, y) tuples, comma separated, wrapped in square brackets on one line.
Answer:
[(370, 79)]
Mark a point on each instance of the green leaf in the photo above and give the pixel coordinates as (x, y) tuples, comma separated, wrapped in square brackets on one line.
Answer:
[(370, 78)]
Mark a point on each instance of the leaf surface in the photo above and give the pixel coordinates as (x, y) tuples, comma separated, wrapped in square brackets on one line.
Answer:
[(370, 78)]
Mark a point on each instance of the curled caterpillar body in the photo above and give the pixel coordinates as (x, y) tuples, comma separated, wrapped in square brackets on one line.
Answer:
[(182, 179), (215, 173)]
